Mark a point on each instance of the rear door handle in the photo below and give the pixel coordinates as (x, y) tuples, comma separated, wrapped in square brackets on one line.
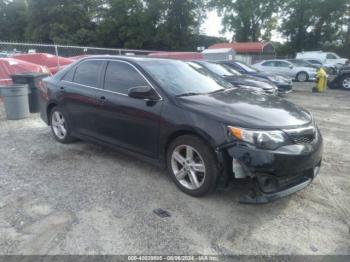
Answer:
[(61, 89), (103, 99)]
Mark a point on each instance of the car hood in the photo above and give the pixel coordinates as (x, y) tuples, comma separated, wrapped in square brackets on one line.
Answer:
[(250, 81), (265, 75), (244, 108)]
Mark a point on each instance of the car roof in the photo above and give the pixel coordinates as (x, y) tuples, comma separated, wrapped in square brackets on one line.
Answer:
[(134, 59)]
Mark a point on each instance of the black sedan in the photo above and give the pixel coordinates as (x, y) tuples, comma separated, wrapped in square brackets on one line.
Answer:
[(341, 80), (236, 78), (201, 130), (284, 83)]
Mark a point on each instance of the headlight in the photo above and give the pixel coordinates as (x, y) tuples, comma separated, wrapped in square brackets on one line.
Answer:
[(274, 78), (277, 78), (262, 139), (252, 88)]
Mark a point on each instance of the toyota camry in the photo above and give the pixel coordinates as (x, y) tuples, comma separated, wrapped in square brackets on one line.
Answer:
[(203, 131)]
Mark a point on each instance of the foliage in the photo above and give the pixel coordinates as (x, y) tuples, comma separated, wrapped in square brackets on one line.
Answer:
[(148, 24), (312, 24), (175, 24), (60, 21), (250, 20), (13, 19)]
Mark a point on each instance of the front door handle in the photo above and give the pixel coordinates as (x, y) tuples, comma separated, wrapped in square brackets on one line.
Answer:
[(61, 88)]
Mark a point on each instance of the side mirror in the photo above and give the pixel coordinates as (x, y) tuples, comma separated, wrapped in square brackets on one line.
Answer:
[(291, 67), (143, 92)]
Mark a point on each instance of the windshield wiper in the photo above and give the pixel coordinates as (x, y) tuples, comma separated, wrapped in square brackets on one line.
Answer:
[(188, 94), (217, 91)]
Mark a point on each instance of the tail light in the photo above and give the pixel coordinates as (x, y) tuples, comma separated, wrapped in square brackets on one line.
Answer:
[(45, 70), (43, 90)]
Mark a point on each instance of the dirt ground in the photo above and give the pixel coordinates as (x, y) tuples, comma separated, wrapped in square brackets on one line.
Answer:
[(86, 199)]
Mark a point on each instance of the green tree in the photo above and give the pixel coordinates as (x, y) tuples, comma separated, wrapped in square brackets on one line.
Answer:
[(61, 21), (13, 20), (151, 24), (250, 20), (312, 24), (179, 22), (125, 24)]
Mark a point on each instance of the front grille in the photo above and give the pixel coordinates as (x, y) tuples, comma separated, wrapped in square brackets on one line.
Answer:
[(306, 139), (302, 135)]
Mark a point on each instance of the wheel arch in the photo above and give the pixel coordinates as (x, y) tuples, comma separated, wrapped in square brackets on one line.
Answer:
[(185, 131), (49, 108)]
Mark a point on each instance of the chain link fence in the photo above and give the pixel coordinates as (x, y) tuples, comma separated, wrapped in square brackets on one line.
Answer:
[(7, 49)]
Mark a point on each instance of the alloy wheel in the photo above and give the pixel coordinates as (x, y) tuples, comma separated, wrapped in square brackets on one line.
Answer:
[(59, 125), (302, 77), (346, 83), (188, 167)]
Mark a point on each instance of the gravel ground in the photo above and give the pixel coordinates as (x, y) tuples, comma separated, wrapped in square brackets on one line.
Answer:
[(86, 199)]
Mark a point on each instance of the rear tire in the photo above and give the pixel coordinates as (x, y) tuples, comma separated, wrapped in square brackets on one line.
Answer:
[(302, 77), (192, 165), (60, 127)]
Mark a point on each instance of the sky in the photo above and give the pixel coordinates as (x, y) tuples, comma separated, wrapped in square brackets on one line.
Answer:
[(212, 27)]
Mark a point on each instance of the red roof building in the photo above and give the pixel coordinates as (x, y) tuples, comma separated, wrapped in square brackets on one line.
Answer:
[(247, 47)]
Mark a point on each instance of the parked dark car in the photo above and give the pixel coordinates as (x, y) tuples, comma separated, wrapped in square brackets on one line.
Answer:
[(236, 78), (284, 83), (203, 132), (342, 79)]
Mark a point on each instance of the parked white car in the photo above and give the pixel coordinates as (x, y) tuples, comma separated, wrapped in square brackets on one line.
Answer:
[(328, 59), (299, 73)]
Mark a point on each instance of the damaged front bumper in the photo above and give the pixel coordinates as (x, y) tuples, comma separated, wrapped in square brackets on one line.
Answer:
[(274, 173), (257, 195)]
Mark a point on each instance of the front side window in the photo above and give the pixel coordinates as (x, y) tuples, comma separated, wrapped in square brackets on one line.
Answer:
[(87, 73), (282, 64), (331, 56), (315, 62), (120, 77)]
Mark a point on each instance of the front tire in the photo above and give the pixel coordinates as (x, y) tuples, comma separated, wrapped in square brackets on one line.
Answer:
[(60, 126), (192, 165), (345, 82), (302, 77)]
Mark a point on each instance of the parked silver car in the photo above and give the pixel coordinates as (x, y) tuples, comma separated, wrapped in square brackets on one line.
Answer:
[(297, 72)]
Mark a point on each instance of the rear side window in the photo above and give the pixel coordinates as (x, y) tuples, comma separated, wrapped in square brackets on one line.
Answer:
[(269, 63), (120, 77), (69, 76), (87, 73)]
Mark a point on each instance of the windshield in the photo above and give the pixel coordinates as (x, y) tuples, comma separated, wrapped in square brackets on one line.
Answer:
[(178, 78), (218, 69), (247, 67), (204, 71)]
